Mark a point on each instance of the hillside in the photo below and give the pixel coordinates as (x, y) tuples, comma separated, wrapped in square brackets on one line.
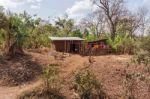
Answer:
[(108, 69)]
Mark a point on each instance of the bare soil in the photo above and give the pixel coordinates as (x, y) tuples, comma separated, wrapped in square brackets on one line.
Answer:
[(109, 69)]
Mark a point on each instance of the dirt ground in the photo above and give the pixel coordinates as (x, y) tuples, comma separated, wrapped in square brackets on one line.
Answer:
[(109, 69), (70, 64)]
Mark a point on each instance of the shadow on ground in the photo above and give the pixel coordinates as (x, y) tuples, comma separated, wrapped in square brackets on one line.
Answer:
[(18, 70)]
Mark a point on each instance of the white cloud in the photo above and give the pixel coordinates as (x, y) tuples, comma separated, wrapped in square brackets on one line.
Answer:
[(80, 8), (34, 1), (11, 3), (35, 7), (34, 4)]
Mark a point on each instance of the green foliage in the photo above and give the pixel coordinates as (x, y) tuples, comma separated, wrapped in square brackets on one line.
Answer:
[(76, 33), (17, 30), (124, 26), (88, 87), (25, 27), (25, 31), (51, 77), (38, 38), (38, 94), (145, 43), (50, 88), (122, 44), (142, 57), (142, 54), (2, 38), (64, 26), (90, 37)]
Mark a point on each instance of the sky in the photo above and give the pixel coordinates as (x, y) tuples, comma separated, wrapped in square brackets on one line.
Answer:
[(51, 8)]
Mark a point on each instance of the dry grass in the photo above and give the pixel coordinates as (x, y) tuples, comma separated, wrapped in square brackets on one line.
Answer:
[(110, 70), (19, 70), (41, 93)]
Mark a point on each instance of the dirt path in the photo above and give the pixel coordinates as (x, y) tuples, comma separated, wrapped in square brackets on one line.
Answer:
[(13, 92), (73, 63), (70, 64)]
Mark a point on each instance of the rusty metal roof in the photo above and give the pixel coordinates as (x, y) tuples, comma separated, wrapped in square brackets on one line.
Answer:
[(66, 38)]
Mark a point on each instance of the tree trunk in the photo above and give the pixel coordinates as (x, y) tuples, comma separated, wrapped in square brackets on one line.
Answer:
[(14, 49), (113, 32), (112, 28)]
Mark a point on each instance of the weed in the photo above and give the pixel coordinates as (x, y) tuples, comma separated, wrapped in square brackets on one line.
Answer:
[(88, 87), (51, 86)]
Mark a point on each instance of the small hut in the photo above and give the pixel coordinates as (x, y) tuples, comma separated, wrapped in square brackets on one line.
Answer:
[(98, 47), (102, 43), (67, 44)]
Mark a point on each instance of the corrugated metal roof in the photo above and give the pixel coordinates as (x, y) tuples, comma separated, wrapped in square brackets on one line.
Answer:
[(66, 38)]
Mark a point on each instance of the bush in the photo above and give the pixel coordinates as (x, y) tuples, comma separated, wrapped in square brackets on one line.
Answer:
[(2, 41), (145, 43), (122, 44), (88, 87), (41, 94), (51, 87), (142, 56), (51, 77)]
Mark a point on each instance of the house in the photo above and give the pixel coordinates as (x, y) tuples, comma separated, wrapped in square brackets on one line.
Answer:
[(102, 43), (67, 44), (97, 47)]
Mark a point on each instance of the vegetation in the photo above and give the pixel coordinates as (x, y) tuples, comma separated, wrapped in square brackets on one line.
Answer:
[(50, 88), (23, 31), (20, 31), (122, 44), (51, 77), (88, 87), (112, 20), (141, 57)]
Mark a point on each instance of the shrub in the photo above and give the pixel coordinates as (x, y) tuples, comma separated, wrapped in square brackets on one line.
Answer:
[(51, 87), (142, 57), (122, 44), (88, 87), (130, 83), (145, 43), (2, 41), (41, 94), (51, 77)]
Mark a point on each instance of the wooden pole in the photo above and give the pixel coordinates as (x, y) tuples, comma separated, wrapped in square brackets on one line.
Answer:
[(65, 45), (79, 47)]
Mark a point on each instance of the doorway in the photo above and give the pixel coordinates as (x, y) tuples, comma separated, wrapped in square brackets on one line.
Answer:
[(74, 48)]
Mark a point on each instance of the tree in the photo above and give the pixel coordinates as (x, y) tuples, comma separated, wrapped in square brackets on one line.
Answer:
[(95, 22), (39, 37), (113, 10), (133, 22), (19, 27), (77, 33), (138, 20), (65, 25), (4, 22)]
